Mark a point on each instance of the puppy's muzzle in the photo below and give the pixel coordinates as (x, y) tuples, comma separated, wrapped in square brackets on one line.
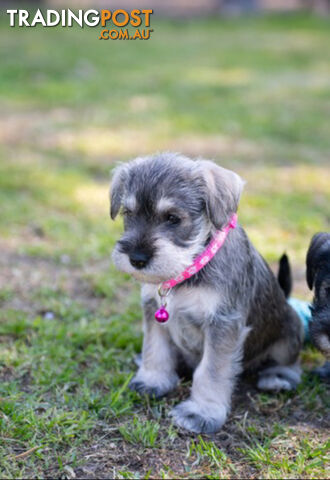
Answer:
[(139, 259), (138, 251)]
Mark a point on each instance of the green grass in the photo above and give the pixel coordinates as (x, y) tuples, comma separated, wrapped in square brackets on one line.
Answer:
[(253, 94), (140, 433), (209, 455), (282, 459)]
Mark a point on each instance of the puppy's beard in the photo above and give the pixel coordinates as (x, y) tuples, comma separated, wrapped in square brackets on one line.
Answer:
[(168, 261)]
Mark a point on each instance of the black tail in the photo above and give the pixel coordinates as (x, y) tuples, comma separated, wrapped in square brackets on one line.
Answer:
[(284, 276)]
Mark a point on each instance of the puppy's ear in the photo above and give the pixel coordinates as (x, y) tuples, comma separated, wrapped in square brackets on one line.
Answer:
[(223, 191), (117, 189)]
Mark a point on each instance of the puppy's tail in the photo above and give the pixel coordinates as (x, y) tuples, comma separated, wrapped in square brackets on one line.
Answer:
[(284, 275)]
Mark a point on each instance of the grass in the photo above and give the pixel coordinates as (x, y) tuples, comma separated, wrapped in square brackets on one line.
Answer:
[(253, 94), (280, 459), (211, 456), (140, 433)]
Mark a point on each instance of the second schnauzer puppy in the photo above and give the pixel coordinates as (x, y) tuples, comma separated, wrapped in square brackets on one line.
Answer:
[(229, 315), (318, 278)]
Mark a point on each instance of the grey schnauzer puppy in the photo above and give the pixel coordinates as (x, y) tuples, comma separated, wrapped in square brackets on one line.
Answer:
[(232, 315), (318, 278)]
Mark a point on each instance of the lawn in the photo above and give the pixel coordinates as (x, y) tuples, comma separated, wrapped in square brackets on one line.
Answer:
[(251, 93)]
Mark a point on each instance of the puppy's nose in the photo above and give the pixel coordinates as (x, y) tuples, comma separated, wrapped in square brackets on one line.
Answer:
[(139, 259)]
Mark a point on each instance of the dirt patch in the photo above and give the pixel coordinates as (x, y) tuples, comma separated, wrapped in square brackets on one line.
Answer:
[(23, 274)]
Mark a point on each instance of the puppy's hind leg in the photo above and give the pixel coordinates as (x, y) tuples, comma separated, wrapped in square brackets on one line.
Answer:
[(279, 377), (284, 372)]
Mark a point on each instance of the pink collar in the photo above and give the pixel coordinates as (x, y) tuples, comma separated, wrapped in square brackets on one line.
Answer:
[(215, 244)]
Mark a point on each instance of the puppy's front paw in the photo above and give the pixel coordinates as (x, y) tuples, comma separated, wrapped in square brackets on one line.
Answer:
[(207, 418), (142, 388), (153, 384)]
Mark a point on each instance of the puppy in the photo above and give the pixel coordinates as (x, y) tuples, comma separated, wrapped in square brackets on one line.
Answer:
[(229, 316), (318, 278)]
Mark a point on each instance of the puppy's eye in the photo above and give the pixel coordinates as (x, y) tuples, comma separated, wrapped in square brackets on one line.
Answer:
[(172, 219), (127, 212)]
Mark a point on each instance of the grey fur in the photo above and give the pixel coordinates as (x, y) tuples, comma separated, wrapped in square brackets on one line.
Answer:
[(230, 316)]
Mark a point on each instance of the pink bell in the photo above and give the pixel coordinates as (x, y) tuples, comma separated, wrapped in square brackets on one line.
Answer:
[(161, 316)]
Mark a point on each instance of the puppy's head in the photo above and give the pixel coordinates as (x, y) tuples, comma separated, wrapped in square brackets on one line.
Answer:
[(171, 205)]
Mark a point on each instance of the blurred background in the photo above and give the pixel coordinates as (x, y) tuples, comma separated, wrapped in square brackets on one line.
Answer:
[(250, 90), (243, 82), (187, 8)]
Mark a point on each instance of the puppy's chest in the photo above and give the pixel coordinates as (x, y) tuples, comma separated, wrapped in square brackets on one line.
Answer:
[(189, 310), (186, 326)]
